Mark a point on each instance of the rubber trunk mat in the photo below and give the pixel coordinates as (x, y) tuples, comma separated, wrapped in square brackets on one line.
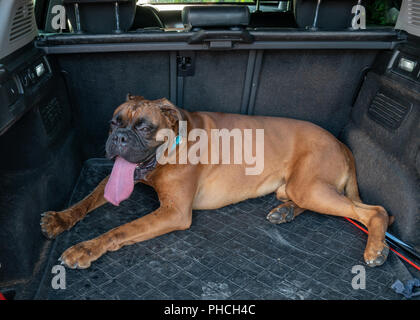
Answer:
[(229, 253)]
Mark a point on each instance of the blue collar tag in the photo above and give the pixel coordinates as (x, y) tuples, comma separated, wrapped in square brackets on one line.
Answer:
[(177, 141)]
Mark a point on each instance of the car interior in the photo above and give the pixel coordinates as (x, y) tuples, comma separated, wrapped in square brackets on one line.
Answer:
[(301, 59)]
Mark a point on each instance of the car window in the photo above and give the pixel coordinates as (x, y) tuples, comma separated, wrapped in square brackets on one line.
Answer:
[(193, 1), (379, 13)]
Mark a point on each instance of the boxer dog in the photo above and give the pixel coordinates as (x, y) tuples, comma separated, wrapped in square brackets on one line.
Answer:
[(306, 166)]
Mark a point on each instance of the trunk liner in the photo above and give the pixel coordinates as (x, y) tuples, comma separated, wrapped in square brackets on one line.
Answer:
[(229, 253)]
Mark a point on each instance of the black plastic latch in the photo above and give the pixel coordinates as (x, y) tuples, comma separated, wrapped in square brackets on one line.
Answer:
[(186, 63)]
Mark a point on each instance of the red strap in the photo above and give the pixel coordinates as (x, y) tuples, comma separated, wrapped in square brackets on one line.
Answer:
[(2, 297), (396, 252)]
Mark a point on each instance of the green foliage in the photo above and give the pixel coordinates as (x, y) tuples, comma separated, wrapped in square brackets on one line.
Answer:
[(377, 11)]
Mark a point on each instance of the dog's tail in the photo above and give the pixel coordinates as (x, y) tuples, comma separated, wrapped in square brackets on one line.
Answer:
[(351, 189)]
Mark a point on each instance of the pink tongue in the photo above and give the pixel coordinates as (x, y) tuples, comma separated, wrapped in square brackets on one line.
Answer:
[(121, 182)]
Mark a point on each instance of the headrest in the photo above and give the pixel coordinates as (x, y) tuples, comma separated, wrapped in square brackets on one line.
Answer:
[(215, 16), (100, 16), (332, 14)]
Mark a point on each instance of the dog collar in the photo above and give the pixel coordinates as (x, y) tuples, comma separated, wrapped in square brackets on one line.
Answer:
[(142, 169)]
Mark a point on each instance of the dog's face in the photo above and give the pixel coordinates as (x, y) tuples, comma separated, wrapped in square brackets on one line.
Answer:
[(134, 126)]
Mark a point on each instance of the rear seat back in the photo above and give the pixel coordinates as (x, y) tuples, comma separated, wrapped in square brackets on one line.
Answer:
[(100, 16), (297, 79), (215, 73), (147, 17), (332, 14), (268, 19)]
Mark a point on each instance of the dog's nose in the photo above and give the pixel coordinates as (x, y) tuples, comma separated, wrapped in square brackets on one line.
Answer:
[(121, 138)]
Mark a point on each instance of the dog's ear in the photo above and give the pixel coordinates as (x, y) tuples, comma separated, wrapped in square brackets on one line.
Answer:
[(133, 97), (169, 110)]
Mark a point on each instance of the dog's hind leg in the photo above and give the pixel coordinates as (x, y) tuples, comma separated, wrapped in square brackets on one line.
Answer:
[(53, 223), (322, 197)]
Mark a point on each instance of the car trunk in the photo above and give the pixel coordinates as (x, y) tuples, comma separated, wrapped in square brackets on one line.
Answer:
[(53, 155)]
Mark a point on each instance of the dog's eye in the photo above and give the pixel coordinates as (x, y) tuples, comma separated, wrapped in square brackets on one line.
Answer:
[(144, 126), (144, 129), (115, 122)]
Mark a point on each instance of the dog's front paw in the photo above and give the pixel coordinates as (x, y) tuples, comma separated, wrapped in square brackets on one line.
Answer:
[(52, 224), (81, 255)]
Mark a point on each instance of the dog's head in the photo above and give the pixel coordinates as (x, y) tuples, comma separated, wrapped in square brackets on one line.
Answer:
[(135, 124)]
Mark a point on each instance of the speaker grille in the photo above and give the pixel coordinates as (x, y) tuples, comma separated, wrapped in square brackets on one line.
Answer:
[(23, 22), (387, 111), (414, 13)]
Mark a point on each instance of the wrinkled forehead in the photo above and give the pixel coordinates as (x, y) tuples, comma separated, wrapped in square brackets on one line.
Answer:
[(131, 112)]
